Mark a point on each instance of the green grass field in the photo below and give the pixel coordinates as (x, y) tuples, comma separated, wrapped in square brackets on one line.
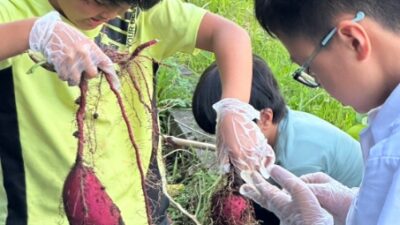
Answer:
[(175, 90)]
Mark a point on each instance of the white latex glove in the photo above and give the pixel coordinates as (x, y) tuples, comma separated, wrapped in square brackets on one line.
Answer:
[(68, 50), (240, 141), (297, 205), (332, 195)]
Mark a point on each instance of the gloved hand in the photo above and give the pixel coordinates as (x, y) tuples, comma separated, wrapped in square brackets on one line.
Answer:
[(297, 205), (332, 195), (68, 50), (240, 142)]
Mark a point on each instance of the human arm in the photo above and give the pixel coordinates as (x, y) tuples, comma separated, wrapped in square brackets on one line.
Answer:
[(239, 140), (15, 37), (295, 204), (232, 48)]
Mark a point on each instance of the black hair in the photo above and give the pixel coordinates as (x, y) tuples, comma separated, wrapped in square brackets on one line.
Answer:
[(147, 4), (264, 94), (313, 18), (143, 4)]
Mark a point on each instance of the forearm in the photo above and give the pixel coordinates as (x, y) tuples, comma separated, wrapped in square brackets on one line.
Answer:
[(233, 53), (232, 47), (15, 37)]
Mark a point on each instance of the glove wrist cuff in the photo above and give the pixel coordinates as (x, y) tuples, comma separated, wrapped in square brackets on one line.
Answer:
[(235, 105), (42, 30)]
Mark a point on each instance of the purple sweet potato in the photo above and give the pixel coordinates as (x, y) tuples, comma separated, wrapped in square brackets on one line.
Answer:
[(229, 207), (86, 201)]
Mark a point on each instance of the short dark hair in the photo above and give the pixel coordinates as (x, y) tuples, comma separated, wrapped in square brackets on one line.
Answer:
[(313, 18), (264, 94), (143, 4)]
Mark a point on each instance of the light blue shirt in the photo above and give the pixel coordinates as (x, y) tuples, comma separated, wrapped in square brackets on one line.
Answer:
[(378, 200), (308, 144)]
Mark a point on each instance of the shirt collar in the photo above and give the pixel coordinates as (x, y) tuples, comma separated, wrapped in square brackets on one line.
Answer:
[(381, 118)]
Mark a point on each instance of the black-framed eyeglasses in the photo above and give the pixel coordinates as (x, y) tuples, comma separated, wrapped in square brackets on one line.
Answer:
[(303, 74)]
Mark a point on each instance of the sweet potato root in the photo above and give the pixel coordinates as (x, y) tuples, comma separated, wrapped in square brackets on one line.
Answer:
[(85, 199)]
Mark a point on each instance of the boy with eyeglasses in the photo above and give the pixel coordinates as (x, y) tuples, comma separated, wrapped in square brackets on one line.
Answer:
[(37, 145), (351, 49), (303, 143)]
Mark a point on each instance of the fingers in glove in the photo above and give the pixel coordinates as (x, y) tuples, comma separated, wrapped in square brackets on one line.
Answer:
[(295, 186), (108, 68), (63, 72), (250, 178), (238, 136), (67, 67), (224, 165), (87, 63), (271, 193), (316, 178), (266, 166), (286, 179), (242, 142), (75, 73), (264, 193), (104, 63), (252, 193), (74, 79), (82, 63)]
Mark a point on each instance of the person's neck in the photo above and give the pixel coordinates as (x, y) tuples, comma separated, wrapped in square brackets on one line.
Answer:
[(56, 6), (387, 48), (272, 135)]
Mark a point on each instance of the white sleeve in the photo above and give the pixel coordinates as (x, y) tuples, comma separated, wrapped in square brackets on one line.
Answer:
[(378, 201)]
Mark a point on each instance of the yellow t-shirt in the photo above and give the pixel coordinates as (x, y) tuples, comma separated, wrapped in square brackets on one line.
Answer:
[(37, 116)]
